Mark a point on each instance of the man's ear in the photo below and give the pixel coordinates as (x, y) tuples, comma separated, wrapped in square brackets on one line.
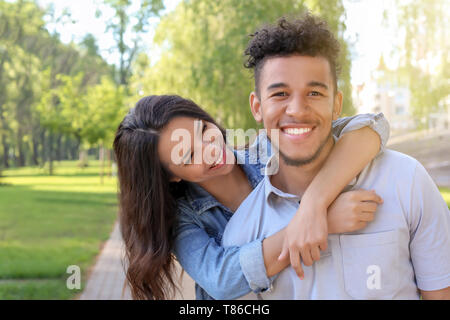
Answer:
[(255, 106), (337, 108)]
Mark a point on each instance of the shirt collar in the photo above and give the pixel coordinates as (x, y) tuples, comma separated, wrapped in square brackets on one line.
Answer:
[(269, 188)]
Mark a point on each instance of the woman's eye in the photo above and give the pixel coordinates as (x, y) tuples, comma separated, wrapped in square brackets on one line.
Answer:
[(315, 93), (204, 127)]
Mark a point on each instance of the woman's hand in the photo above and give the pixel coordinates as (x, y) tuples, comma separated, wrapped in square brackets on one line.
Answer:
[(352, 210), (305, 235)]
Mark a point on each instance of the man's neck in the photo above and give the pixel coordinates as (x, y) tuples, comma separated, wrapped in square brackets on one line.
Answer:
[(296, 179), (230, 189)]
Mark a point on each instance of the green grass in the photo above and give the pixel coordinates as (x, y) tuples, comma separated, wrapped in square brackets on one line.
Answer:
[(48, 223), (445, 194)]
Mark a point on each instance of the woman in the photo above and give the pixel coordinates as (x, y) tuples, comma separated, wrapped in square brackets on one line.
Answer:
[(182, 207)]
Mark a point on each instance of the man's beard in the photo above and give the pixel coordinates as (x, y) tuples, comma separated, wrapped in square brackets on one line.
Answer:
[(301, 162)]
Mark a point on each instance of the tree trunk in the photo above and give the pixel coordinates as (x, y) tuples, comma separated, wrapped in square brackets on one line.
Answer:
[(5, 152), (59, 147), (50, 153), (102, 161), (21, 157), (83, 158), (35, 157), (44, 148), (108, 157)]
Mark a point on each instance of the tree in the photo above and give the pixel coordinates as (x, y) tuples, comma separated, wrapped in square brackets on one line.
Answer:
[(129, 25), (18, 22), (423, 51), (32, 62), (106, 106), (202, 45)]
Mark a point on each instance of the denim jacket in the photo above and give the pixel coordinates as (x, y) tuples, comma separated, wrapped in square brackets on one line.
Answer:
[(231, 272)]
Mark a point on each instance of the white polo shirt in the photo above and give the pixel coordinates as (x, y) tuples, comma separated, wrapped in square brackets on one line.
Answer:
[(406, 247)]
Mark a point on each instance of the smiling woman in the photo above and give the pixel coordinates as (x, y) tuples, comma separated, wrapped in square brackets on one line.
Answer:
[(197, 156)]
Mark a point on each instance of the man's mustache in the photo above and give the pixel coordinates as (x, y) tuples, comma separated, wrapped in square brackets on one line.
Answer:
[(298, 122)]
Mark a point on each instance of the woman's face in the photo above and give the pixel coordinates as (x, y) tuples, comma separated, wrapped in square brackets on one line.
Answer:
[(194, 150)]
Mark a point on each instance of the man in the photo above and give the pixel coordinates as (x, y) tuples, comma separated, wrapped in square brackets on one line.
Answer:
[(405, 250)]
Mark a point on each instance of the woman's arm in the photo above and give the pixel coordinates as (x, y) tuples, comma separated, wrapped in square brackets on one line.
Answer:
[(223, 272), (351, 211), (307, 232)]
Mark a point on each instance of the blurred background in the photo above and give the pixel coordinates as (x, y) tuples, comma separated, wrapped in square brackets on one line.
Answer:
[(70, 70)]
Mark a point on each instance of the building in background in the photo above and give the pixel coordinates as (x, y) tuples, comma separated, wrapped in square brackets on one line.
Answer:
[(382, 93)]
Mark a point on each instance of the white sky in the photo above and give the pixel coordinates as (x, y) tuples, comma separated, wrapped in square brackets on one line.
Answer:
[(364, 29)]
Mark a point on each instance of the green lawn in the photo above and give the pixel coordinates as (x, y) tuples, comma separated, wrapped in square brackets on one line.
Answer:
[(446, 194), (48, 223)]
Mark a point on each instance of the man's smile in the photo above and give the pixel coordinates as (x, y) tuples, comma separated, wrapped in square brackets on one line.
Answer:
[(297, 132)]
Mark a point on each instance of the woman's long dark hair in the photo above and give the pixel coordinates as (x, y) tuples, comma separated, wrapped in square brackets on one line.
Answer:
[(147, 199)]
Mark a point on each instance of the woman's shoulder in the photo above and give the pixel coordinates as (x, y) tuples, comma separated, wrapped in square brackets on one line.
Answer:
[(185, 210)]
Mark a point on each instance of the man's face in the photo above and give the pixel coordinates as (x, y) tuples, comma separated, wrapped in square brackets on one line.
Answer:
[(297, 97)]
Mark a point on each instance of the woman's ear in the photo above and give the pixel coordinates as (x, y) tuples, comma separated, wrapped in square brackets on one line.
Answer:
[(255, 106), (337, 108)]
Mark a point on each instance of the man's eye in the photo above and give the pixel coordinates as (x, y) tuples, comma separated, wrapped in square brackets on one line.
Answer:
[(315, 93), (280, 94)]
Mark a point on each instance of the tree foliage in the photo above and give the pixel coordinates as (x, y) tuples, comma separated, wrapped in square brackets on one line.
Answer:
[(202, 44), (424, 54), (127, 27), (44, 85)]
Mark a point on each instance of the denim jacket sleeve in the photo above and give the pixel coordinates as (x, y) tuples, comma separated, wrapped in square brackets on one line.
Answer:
[(223, 272), (375, 121)]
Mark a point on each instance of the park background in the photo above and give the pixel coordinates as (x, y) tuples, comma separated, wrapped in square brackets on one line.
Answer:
[(70, 71)]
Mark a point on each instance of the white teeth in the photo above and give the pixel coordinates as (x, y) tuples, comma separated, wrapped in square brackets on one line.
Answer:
[(297, 131)]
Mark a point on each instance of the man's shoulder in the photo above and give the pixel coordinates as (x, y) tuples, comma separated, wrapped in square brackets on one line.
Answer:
[(398, 162), (248, 215)]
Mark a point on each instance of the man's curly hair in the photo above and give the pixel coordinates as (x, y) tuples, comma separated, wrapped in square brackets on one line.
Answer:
[(308, 36)]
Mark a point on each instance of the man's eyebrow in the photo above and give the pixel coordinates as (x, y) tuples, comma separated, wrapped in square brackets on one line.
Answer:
[(317, 84), (277, 85)]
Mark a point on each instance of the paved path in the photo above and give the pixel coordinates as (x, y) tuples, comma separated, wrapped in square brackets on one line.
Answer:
[(432, 150), (107, 278)]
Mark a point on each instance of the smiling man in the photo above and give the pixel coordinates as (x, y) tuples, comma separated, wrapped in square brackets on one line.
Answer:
[(405, 251)]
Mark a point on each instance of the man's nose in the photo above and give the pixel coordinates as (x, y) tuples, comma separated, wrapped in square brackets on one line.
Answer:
[(297, 106)]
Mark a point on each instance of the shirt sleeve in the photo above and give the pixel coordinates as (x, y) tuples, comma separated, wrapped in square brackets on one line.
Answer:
[(377, 122), (430, 233), (223, 272)]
